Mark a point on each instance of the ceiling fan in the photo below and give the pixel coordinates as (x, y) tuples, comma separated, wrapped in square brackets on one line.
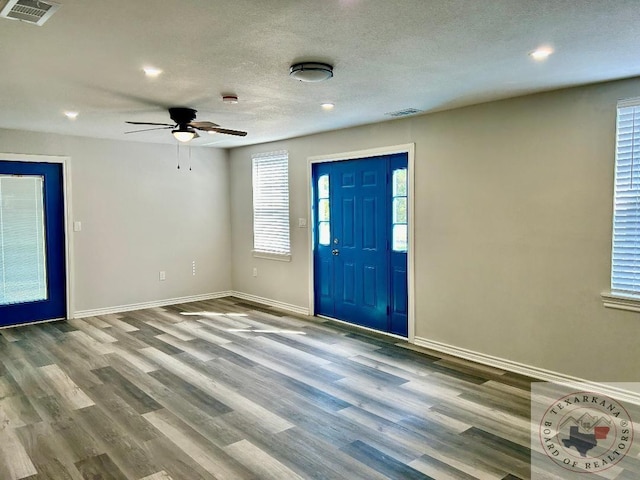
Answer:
[(184, 127)]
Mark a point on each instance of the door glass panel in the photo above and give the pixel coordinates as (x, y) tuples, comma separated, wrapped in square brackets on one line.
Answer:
[(324, 233), (399, 211), (323, 186), (400, 182), (323, 210), (324, 215), (23, 276), (399, 238)]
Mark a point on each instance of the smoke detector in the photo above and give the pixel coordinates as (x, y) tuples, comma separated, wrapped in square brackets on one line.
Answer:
[(230, 99), (35, 12)]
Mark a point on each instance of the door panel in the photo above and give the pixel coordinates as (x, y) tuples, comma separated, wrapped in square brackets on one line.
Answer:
[(323, 241), (32, 242), (361, 243), (399, 319), (352, 278), (360, 224)]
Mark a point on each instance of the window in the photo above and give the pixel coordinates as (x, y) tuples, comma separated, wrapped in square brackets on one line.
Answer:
[(625, 262), (324, 211), (399, 208), (23, 275), (271, 204)]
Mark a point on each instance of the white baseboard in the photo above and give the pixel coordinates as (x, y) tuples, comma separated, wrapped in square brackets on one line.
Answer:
[(156, 303), (530, 371), (271, 303)]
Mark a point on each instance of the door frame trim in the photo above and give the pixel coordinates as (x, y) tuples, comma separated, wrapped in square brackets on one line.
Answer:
[(409, 149), (68, 223)]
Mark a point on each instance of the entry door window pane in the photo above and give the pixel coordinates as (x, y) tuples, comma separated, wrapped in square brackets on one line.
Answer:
[(324, 211), (399, 211), (23, 276)]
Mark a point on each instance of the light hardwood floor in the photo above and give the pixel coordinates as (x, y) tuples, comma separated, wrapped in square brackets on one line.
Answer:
[(229, 390)]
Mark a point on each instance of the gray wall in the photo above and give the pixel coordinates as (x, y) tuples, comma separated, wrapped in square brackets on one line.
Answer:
[(513, 228), (141, 215)]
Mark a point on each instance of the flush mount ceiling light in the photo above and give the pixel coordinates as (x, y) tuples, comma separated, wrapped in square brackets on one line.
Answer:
[(184, 133), (311, 71), (71, 115), (327, 106), (230, 99)]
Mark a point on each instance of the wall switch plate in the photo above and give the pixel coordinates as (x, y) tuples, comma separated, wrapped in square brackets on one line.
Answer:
[(302, 222), (193, 268), (255, 272), (163, 276), (77, 226)]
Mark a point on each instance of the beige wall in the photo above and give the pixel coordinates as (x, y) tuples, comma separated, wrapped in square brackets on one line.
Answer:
[(513, 228), (140, 215)]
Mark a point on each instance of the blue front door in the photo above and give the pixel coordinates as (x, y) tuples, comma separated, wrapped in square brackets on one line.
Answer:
[(357, 277), (32, 242)]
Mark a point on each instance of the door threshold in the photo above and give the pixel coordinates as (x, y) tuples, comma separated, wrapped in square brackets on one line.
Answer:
[(4, 327), (361, 327)]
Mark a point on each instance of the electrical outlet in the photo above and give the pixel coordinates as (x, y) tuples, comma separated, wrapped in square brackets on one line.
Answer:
[(163, 275), (255, 272), (193, 268)]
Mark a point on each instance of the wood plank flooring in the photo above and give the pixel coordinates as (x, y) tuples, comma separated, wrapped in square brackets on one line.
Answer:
[(225, 389)]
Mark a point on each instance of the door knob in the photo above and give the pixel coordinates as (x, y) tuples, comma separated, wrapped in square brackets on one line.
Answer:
[(335, 251)]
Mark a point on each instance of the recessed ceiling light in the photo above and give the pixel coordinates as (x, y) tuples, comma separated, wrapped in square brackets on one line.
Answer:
[(71, 115), (541, 53), (152, 71), (327, 106)]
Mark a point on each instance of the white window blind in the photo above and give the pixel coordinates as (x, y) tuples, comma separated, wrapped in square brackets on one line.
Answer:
[(271, 203), (23, 276), (625, 264)]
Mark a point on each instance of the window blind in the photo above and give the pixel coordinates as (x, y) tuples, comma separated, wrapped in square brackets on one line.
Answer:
[(23, 275), (271, 203), (625, 264)]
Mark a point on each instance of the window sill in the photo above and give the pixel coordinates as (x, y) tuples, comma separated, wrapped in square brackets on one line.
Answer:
[(280, 257), (621, 301)]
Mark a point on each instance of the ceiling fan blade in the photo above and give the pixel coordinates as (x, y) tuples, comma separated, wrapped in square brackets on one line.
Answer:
[(149, 129), (150, 123), (226, 131), (202, 125)]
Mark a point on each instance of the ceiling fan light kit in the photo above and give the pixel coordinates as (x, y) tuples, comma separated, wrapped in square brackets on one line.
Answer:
[(311, 72), (184, 134)]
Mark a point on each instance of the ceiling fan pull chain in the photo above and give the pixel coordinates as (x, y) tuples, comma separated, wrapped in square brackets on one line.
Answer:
[(178, 154), (189, 157)]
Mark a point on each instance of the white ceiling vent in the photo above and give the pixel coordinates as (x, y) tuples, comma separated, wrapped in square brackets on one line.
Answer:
[(35, 12), (404, 113)]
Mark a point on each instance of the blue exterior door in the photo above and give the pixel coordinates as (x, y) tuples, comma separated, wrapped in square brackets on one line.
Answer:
[(32, 243), (353, 228)]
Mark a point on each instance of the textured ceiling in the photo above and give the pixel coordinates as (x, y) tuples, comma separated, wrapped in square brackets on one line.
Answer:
[(388, 55)]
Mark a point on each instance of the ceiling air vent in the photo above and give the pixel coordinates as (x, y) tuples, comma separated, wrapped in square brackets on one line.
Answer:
[(404, 113), (35, 12)]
